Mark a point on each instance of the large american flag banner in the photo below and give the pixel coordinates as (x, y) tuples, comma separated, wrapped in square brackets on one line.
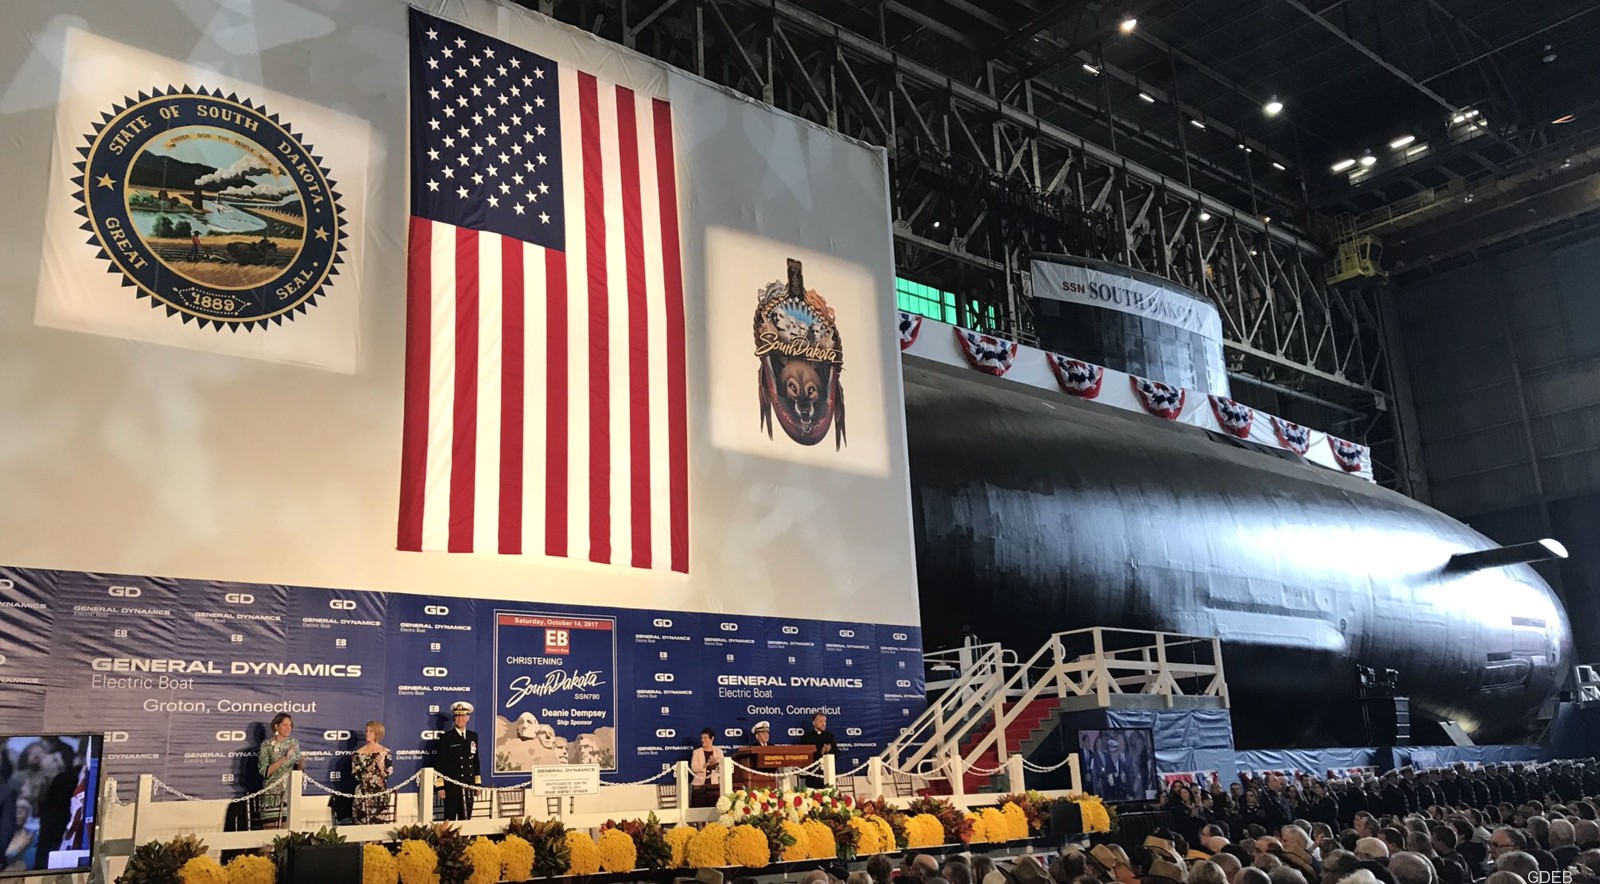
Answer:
[(545, 390)]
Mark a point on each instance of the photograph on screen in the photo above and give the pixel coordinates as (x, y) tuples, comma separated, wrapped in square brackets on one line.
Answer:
[(48, 785), (1118, 764)]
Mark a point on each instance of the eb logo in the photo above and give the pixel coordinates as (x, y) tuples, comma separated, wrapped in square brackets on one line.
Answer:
[(557, 641), (341, 643), (661, 623), (125, 592), (664, 676), (230, 736), (335, 736), (436, 611), (435, 671), (342, 604), (239, 598)]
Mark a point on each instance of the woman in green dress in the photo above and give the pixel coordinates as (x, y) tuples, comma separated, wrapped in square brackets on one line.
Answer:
[(278, 757)]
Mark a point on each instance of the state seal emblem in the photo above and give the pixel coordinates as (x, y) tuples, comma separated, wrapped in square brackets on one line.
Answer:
[(211, 207), (797, 341)]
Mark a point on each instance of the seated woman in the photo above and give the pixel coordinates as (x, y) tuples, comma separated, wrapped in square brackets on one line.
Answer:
[(279, 755), (371, 768), (706, 762)]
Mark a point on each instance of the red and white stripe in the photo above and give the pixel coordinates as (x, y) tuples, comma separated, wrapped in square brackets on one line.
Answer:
[(546, 392)]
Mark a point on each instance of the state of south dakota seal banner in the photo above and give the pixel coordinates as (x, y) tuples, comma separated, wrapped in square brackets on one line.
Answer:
[(204, 212)]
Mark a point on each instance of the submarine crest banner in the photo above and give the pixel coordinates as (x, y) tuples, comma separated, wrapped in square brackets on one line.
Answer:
[(182, 677)]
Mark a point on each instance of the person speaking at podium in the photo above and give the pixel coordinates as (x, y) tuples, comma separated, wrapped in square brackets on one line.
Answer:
[(763, 733), (456, 756), (822, 742)]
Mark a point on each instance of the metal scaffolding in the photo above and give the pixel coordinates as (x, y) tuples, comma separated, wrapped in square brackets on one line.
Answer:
[(986, 170)]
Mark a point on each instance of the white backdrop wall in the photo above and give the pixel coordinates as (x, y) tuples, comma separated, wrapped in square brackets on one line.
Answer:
[(133, 443)]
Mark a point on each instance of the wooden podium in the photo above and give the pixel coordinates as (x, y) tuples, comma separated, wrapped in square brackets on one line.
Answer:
[(768, 758)]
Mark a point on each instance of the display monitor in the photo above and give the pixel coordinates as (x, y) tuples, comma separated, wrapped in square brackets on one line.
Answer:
[(1118, 764), (49, 786)]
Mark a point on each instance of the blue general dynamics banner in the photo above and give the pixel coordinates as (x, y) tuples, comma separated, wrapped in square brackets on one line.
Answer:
[(183, 676)]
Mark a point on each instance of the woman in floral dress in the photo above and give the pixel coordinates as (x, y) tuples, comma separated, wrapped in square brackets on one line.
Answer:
[(371, 766)]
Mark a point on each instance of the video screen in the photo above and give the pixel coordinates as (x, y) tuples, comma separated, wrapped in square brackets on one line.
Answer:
[(1118, 764), (49, 786)]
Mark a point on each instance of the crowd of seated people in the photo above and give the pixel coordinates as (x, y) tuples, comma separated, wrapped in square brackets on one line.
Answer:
[(1500, 824)]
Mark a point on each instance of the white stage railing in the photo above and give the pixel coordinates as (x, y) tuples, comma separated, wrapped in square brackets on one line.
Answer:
[(125, 824), (991, 687)]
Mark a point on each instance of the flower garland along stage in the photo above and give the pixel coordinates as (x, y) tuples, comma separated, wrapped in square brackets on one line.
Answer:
[(756, 828)]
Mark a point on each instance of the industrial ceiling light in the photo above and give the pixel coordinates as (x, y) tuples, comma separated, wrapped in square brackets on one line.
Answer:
[(1416, 151), (936, 225), (1549, 53), (1127, 24), (1197, 124), (1368, 160), (1564, 118), (1091, 70), (1279, 166), (1204, 216), (1273, 107), (1402, 141), (1147, 97), (1342, 165)]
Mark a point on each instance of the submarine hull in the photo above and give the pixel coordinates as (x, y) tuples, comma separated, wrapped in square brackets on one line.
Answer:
[(1037, 513)]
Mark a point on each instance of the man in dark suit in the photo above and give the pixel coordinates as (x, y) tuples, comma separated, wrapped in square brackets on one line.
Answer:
[(456, 756), (822, 742)]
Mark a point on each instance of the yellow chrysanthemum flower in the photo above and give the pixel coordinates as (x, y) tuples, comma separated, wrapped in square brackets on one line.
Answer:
[(378, 865), (618, 853), (867, 838), (484, 857), (584, 856), (678, 838), (1017, 822), (799, 850), (251, 869), (418, 863), (516, 859), (819, 840), (708, 848), (747, 848), (202, 870), (924, 830)]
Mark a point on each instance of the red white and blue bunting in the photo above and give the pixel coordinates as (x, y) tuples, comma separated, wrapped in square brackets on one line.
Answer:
[(1292, 436), (1235, 417), (1063, 373), (987, 353), (910, 325), (1162, 400), (1077, 378)]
